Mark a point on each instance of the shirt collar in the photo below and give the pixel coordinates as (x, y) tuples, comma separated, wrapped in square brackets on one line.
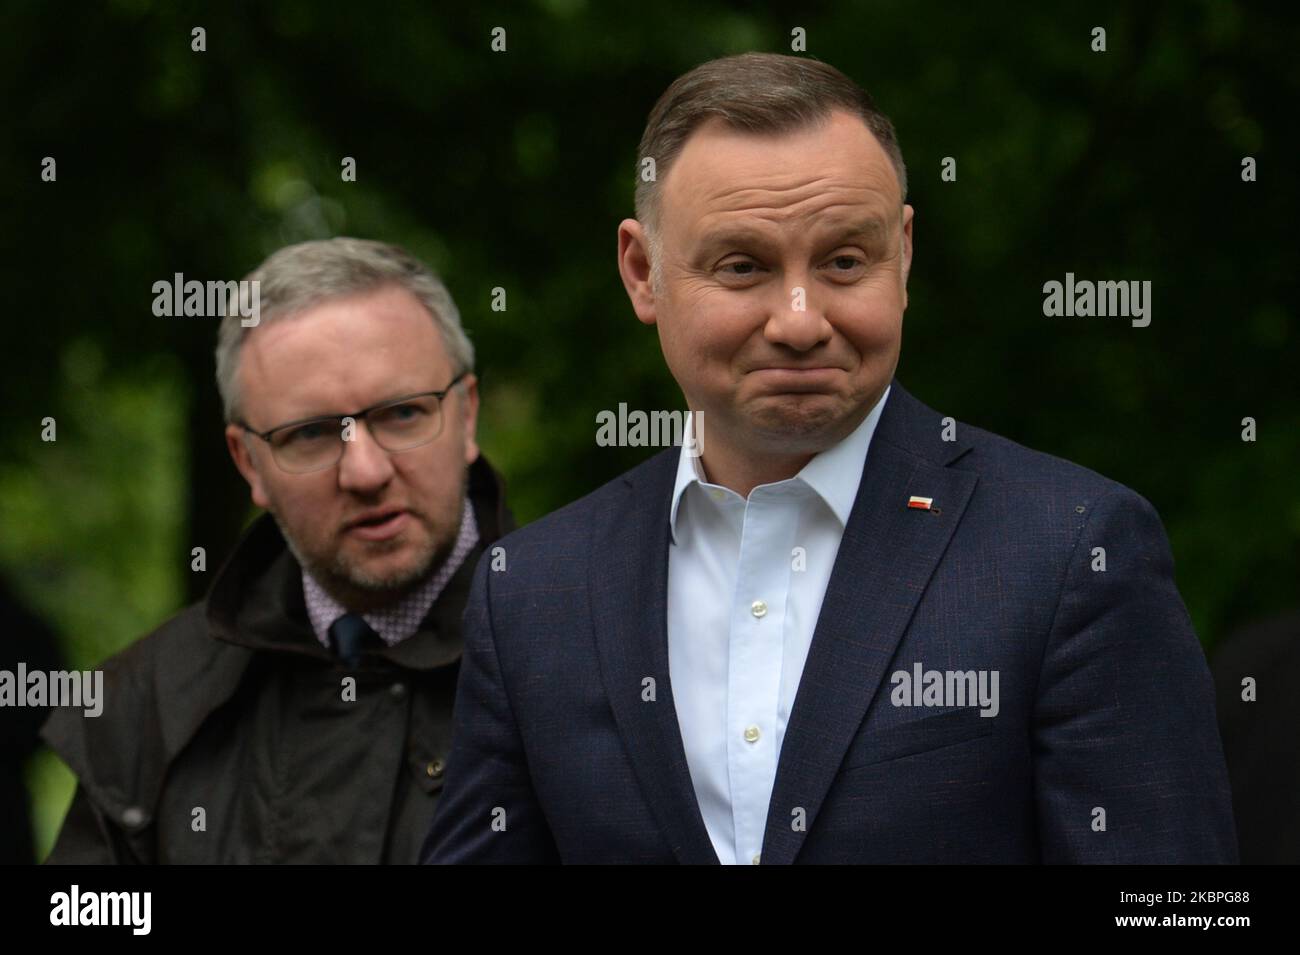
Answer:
[(834, 474), (401, 619)]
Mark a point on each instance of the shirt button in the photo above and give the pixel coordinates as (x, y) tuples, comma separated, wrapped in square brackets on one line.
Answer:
[(758, 608), (434, 769), (751, 734), (754, 860), (397, 691)]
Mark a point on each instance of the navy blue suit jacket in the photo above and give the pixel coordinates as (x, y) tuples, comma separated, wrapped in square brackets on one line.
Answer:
[(1106, 703)]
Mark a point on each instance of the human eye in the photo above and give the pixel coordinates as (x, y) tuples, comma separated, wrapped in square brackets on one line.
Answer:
[(403, 413), (845, 265), (309, 432), (739, 270)]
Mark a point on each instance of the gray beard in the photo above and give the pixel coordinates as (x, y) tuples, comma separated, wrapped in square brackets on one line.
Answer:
[(361, 591)]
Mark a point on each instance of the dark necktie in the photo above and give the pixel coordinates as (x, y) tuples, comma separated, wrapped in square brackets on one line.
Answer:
[(350, 635)]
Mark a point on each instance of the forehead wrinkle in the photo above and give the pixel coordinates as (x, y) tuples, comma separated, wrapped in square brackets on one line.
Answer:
[(782, 192), (865, 177), (819, 219), (801, 201)]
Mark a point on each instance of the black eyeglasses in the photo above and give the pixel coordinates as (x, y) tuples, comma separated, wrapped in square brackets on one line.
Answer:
[(315, 444)]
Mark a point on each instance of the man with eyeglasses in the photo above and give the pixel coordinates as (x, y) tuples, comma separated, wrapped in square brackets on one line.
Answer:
[(302, 712)]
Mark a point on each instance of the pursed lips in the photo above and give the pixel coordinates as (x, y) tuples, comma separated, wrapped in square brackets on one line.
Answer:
[(796, 368), (795, 379)]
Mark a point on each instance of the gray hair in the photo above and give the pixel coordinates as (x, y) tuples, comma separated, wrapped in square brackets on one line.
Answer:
[(300, 276), (757, 93)]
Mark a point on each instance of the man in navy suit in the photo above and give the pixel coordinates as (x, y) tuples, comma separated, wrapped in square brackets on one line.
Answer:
[(834, 625)]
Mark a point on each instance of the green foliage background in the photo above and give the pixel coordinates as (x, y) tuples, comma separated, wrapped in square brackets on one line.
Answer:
[(514, 169)]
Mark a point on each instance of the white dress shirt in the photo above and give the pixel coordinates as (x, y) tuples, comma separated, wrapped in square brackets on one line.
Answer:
[(746, 579)]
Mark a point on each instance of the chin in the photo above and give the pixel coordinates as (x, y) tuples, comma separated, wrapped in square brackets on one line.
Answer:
[(802, 415), (399, 569), (384, 580)]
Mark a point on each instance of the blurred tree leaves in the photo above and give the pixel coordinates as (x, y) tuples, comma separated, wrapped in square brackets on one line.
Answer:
[(512, 170)]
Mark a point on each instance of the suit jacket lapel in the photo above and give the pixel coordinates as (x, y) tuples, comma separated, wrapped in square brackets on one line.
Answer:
[(886, 558), (629, 613)]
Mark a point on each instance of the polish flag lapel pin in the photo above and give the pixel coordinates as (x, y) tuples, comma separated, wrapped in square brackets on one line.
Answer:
[(919, 503)]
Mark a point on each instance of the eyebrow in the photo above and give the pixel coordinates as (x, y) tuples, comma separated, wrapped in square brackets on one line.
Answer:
[(316, 419), (876, 230), (871, 229), (724, 238)]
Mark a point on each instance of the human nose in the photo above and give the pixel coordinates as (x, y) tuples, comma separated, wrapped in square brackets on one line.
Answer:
[(364, 466), (798, 321)]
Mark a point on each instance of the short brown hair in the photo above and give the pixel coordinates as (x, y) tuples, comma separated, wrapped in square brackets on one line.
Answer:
[(758, 93)]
